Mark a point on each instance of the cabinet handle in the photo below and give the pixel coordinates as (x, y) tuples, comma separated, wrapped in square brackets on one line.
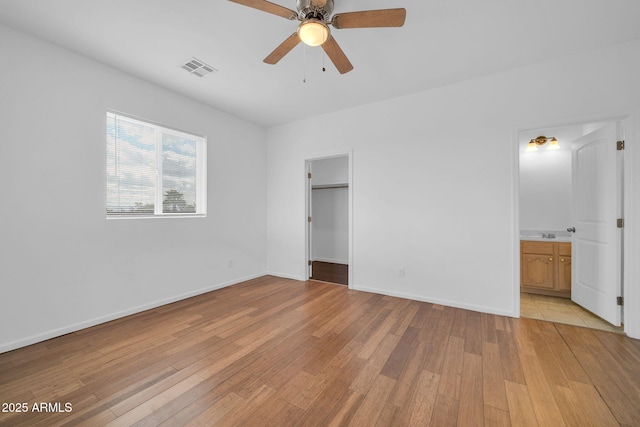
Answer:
[(561, 259), (550, 259)]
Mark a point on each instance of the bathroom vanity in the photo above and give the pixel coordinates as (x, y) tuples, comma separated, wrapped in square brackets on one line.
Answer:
[(545, 267)]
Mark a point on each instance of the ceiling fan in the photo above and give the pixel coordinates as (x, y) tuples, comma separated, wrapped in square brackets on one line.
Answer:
[(314, 17)]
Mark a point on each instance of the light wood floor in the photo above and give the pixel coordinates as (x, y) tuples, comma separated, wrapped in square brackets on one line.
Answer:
[(285, 353)]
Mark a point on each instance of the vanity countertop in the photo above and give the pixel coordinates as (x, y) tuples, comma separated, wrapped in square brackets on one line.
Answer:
[(546, 239), (541, 235)]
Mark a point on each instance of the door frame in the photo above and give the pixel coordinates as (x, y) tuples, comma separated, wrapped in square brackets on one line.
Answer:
[(630, 120), (307, 201)]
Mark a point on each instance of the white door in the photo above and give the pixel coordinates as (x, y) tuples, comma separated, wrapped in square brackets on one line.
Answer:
[(597, 204)]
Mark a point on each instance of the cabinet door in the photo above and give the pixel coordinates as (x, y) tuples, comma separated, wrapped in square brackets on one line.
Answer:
[(537, 271), (564, 273)]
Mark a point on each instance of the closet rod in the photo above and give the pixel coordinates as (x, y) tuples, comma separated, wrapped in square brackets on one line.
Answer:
[(326, 187)]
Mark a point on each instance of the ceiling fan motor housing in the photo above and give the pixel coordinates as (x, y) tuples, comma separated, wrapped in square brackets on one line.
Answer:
[(318, 9)]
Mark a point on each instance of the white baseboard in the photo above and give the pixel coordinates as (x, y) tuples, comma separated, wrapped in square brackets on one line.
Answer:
[(23, 342), (286, 276), (447, 303)]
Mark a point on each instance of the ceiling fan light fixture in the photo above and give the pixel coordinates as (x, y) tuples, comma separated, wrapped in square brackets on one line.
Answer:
[(313, 32), (315, 17)]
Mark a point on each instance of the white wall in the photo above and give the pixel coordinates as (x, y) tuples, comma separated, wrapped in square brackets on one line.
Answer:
[(330, 225), (545, 190), (330, 210), (330, 171), (63, 266), (545, 179), (435, 176)]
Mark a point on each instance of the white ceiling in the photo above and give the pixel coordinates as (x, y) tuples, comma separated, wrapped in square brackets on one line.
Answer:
[(442, 42)]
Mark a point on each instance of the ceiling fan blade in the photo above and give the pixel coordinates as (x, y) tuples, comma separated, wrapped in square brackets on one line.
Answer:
[(337, 56), (370, 18), (284, 48), (268, 7)]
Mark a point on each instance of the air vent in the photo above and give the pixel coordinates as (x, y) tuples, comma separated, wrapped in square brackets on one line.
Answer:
[(197, 67)]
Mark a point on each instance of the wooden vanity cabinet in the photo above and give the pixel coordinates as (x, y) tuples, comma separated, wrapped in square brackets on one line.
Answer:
[(545, 268)]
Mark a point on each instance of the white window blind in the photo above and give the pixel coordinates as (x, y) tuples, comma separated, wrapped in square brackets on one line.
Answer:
[(153, 170)]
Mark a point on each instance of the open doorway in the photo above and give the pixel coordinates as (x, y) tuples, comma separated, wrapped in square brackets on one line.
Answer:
[(549, 194), (328, 201)]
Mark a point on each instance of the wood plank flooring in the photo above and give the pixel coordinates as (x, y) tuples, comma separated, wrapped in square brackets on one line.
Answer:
[(278, 352), (330, 272)]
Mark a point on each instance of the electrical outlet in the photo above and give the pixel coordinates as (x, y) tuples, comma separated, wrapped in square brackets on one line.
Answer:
[(401, 272), (230, 264)]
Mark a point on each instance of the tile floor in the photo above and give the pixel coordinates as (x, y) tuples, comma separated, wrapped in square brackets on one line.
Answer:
[(561, 310)]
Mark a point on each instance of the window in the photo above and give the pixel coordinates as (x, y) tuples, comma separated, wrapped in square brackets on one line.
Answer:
[(153, 170)]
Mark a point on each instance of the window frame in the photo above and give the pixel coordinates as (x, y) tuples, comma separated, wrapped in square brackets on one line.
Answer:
[(201, 170)]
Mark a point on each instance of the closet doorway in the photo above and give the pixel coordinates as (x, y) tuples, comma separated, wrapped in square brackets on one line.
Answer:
[(328, 201)]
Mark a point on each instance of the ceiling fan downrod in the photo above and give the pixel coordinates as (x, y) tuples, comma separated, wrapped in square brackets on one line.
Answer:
[(317, 9)]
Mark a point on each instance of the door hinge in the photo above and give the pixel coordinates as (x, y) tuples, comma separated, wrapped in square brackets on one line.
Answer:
[(620, 222), (309, 262), (309, 219), (620, 300), (309, 175), (620, 145)]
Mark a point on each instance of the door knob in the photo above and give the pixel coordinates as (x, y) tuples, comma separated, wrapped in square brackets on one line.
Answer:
[(571, 229)]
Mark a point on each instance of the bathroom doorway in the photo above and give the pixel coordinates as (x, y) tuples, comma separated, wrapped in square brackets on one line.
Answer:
[(547, 209)]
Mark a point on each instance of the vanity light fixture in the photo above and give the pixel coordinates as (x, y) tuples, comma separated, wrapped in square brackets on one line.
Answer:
[(541, 140)]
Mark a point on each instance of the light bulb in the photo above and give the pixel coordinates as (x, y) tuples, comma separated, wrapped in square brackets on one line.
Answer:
[(553, 145), (313, 32), (531, 146)]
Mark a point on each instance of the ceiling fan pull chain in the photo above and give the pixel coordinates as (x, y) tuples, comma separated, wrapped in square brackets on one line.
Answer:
[(304, 64)]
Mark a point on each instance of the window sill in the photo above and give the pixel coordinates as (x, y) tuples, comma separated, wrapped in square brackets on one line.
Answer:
[(165, 216)]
